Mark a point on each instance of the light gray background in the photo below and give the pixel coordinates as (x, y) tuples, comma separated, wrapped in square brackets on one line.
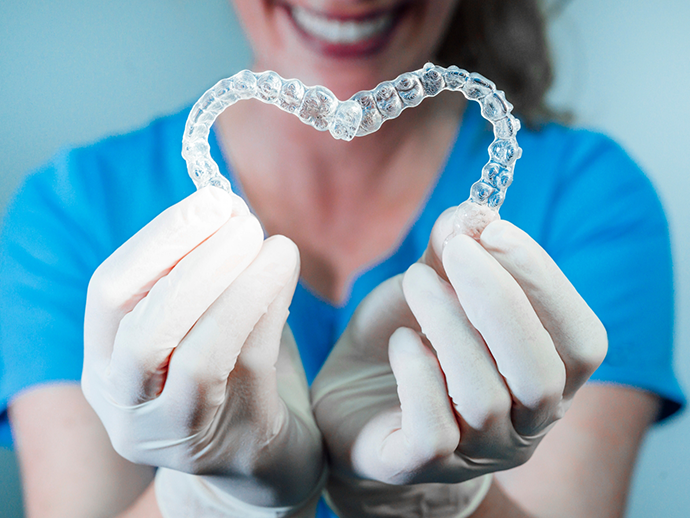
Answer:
[(72, 71)]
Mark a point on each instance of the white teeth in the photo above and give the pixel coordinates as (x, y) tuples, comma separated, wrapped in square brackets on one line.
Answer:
[(340, 32)]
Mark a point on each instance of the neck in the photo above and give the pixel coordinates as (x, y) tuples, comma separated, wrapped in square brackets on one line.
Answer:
[(268, 145), (350, 199)]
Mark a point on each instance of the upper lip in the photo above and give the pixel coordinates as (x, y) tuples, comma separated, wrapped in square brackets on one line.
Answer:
[(343, 47), (351, 17)]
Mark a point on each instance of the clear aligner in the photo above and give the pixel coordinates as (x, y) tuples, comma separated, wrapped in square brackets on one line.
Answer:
[(362, 114)]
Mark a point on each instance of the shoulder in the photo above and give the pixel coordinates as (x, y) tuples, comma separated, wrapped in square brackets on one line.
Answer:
[(107, 189), (155, 147), (70, 214), (559, 155), (66, 218), (129, 168), (578, 182), (567, 179)]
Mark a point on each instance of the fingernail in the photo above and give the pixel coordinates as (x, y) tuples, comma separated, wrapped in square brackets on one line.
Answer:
[(239, 206), (492, 231), (217, 194)]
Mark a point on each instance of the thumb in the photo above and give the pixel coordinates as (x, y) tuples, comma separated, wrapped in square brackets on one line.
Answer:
[(468, 218), (395, 446), (376, 318), (442, 230), (361, 353)]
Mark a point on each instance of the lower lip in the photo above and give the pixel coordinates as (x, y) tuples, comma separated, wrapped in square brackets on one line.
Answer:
[(360, 49)]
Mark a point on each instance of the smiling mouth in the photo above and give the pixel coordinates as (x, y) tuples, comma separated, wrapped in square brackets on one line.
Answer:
[(346, 36)]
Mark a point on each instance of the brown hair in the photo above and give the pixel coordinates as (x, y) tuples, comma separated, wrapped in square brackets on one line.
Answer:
[(504, 40)]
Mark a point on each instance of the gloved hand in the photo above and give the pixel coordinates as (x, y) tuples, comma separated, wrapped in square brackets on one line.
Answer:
[(454, 370), (189, 363)]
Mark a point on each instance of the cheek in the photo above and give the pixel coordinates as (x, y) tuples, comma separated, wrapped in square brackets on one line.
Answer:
[(438, 19), (268, 28), (255, 16)]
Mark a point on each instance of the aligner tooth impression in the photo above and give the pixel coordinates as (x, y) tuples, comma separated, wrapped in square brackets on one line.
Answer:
[(361, 115)]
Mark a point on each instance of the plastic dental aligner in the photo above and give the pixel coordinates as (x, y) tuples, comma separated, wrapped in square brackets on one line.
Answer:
[(362, 114)]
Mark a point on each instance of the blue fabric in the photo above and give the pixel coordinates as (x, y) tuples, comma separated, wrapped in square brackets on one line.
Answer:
[(576, 192)]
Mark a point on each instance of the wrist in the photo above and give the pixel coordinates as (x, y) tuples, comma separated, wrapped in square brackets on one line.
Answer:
[(182, 494), (476, 500), (356, 498)]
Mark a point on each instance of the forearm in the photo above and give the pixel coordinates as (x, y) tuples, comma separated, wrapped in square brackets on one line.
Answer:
[(591, 451), (497, 504), (146, 506), (72, 470)]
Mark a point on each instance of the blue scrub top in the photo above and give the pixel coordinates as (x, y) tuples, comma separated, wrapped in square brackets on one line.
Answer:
[(575, 192)]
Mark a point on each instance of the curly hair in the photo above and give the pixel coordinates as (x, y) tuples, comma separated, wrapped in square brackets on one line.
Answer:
[(505, 40)]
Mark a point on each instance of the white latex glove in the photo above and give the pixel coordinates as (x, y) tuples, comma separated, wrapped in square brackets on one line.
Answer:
[(189, 363), (454, 370)]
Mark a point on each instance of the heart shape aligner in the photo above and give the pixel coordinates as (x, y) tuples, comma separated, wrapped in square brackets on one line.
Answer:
[(362, 114)]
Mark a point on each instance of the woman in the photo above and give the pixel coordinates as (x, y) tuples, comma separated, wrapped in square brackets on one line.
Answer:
[(512, 343)]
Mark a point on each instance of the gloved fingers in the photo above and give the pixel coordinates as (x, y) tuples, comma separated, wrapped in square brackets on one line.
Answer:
[(131, 271), (148, 334), (254, 377), (523, 350), (260, 351), (207, 360), (428, 431), (292, 380), (577, 333), (477, 391)]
